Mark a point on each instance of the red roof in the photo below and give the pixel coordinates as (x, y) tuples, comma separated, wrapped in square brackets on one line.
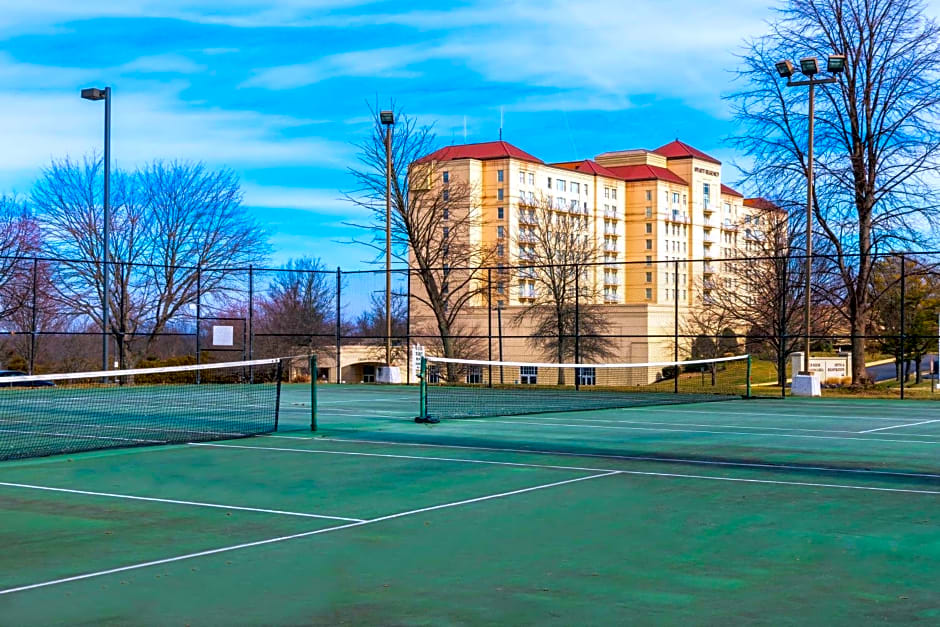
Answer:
[(481, 152), (588, 167), (680, 150), (645, 172), (761, 204), (731, 192)]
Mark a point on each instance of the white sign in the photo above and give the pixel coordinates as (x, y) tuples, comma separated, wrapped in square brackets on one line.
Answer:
[(825, 368), (417, 352), (223, 335)]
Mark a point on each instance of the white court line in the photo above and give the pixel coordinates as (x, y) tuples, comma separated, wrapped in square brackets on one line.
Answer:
[(176, 502), (693, 424), (246, 545), (84, 437), (608, 470), (757, 414), (910, 424), (660, 429), (632, 458)]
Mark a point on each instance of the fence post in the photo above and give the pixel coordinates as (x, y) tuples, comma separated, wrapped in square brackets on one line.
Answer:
[(499, 326), (339, 290), (577, 325), (251, 319), (277, 399), (782, 330), (675, 325), (489, 325), (198, 320), (903, 353), (748, 376), (408, 328), (32, 325)]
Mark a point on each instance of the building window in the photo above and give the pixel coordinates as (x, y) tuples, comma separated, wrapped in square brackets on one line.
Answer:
[(501, 232), (475, 375), (522, 177), (575, 188), (446, 213), (649, 227), (446, 194), (586, 376), (528, 375), (586, 189), (675, 198), (446, 232), (500, 214), (649, 260), (561, 185), (649, 277), (499, 175), (446, 176), (649, 212), (649, 244), (706, 194), (649, 195), (649, 293), (499, 193), (613, 193), (500, 287), (499, 304), (531, 178), (500, 250), (606, 192), (549, 182)]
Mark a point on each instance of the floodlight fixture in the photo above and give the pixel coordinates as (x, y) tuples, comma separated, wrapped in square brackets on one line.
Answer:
[(785, 68), (93, 93), (809, 66), (836, 64), (387, 117)]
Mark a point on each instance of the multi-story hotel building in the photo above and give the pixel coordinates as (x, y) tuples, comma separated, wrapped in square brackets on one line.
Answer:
[(649, 212)]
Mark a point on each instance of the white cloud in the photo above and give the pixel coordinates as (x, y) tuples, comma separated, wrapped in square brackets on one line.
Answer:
[(149, 121), (321, 201)]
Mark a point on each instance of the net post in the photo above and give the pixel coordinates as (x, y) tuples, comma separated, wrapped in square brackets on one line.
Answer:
[(198, 316), (32, 314), (277, 395), (748, 375), (313, 392), (250, 331), (424, 388), (489, 325)]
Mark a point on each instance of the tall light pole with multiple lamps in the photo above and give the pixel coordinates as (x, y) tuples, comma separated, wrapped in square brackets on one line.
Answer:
[(95, 93), (387, 118), (809, 67)]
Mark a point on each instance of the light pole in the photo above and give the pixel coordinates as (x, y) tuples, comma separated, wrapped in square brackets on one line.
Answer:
[(810, 68), (388, 120), (94, 93)]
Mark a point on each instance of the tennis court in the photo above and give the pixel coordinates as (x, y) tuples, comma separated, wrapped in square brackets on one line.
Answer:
[(761, 511)]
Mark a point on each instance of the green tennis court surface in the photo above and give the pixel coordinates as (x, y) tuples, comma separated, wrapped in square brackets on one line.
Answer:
[(775, 512)]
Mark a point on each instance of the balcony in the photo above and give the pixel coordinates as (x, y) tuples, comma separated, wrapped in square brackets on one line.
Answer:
[(611, 298), (708, 269), (709, 239), (612, 281), (676, 216)]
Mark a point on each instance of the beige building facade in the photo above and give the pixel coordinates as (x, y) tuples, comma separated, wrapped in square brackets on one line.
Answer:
[(660, 220)]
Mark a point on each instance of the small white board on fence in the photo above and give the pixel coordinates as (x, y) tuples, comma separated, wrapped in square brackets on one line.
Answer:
[(223, 335)]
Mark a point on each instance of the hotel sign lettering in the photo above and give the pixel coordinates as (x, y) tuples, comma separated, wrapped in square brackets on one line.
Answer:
[(708, 172)]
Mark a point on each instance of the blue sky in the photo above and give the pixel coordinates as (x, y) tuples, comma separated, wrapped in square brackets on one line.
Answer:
[(277, 90)]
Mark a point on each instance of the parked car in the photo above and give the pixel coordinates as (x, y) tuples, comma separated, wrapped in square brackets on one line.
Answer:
[(20, 384)]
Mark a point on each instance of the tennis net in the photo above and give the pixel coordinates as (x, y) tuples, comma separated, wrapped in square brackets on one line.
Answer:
[(463, 388), (66, 413)]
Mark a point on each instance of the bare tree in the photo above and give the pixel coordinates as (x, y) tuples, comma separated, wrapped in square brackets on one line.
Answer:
[(19, 240), (298, 312), (877, 142), (168, 220), (431, 220), (557, 283)]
